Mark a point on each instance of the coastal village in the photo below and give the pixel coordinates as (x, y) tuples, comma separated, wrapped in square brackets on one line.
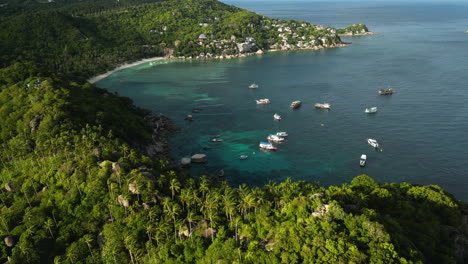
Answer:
[(284, 35)]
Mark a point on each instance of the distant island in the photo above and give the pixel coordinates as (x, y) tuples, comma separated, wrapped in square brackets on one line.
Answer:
[(85, 176), (355, 30)]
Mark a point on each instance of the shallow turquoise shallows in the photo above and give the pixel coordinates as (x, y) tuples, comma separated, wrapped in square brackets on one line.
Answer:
[(422, 53)]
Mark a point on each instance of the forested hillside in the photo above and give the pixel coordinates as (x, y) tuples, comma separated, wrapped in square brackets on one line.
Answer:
[(82, 39), (78, 184)]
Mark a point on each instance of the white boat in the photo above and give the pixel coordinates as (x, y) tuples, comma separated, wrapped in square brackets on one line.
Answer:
[(267, 146), (275, 138), (373, 142), (322, 106), (362, 161), (295, 104), (243, 157), (371, 110), (253, 86), (263, 101), (277, 117), (281, 134)]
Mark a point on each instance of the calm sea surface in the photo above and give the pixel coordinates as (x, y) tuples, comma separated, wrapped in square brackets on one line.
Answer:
[(422, 53)]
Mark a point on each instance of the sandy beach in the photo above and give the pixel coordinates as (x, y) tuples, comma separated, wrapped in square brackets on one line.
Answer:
[(121, 67)]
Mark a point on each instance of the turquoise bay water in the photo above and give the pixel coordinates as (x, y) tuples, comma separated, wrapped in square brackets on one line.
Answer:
[(421, 52)]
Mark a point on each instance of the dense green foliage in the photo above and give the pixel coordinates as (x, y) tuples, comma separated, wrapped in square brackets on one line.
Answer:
[(77, 187), (355, 29), (85, 38)]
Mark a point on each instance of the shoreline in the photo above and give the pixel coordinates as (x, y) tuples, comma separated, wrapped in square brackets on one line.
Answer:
[(369, 33), (99, 77)]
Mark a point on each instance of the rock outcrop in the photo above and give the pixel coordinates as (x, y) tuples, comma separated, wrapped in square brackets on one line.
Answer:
[(186, 162), (123, 202), (161, 128), (199, 158), (9, 241), (116, 167), (34, 123), (321, 210), (9, 186), (133, 188), (208, 232)]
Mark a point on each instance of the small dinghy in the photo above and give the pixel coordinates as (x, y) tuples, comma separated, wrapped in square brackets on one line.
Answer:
[(243, 157), (277, 117)]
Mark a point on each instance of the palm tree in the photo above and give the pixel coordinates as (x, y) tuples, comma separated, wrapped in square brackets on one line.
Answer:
[(166, 202), (236, 222), (130, 244), (174, 186), (173, 210), (190, 218), (204, 185), (185, 198), (228, 204), (162, 227), (49, 224), (247, 202), (149, 231), (71, 255), (88, 240)]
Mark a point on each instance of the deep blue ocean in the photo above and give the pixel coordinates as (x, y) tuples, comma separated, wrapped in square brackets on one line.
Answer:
[(421, 52)]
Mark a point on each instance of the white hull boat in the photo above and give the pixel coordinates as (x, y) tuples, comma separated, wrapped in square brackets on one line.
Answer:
[(263, 101), (322, 106), (277, 117), (253, 86), (281, 134), (363, 160), (267, 146), (275, 138), (370, 110), (296, 104), (373, 142)]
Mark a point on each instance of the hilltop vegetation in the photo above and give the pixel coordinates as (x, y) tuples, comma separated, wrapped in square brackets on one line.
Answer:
[(354, 30), (79, 186), (82, 40)]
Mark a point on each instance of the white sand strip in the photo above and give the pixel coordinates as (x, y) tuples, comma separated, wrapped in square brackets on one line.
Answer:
[(121, 67)]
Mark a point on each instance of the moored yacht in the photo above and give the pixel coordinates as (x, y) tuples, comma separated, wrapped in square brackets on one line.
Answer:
[(277, 117), (253, 86), (295, 104), (275, 138), (267, 146), (373, 142), (263, 101), (281, 134), (322, 106), (362, 161), (371, 110)]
